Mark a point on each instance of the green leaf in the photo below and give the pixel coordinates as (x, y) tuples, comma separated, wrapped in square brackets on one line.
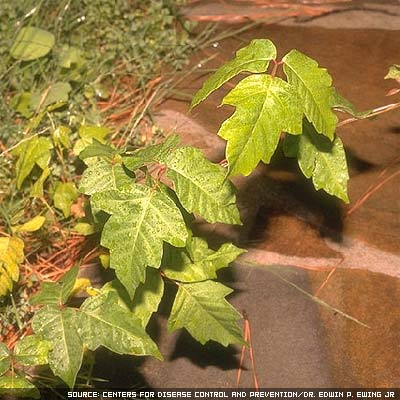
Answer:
[(98, 149), (36, 150), (32, 350), (201, 308), (148, 296), (60, 328), (265, 106), (106, 323), (56, 293), (4, 358), (144, 217), (61, 136), (201, 186), (18, 386), (11, 255), (253, 58), (37, 188), (64, 196), (70, 56), (342, 104), (314, 86), (320, 159), (23, 103), (32, 43), (88, 133), (197, 262), (58, 92), (103, 175), (151, 154), (394, 72)]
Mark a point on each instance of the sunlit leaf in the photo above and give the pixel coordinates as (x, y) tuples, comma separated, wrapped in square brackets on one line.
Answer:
[(201, 308), (255, 58), (32, 350), (32, 225), (265, 106), (64, 196), (314, 86), (18, 387), (11, 255)]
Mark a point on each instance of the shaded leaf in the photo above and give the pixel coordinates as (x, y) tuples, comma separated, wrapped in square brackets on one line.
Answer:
[(32, 350), (255, 58), (265, 106), (201, 186), (197, 262), (314, 87), (105, 323), (98, 149), (144, 217), (148, 296), (60, 327), (4, 358), (37, 188), (321, 160), (32, 43), (61, 136), (36, 150), (342, 104), (201, 308), (64, 196), (18, 386), (58, 92)]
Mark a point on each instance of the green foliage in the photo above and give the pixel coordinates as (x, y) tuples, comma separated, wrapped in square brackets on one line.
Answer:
[(394, 72), (267, 107), (201, 308)]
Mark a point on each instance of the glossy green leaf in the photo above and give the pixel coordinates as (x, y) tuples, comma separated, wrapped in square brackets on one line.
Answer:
[(265, 106), (314, 86), (103, 175), (60, 328), (148, 296), (67, 283), (321, 160), (106, 323), (64, 196), (36, 150), (202, 310), (141, 219), (32, 43), (394, 72), (255, 58), (18, 387), (151, 154), (197, 262), (201, 186), (4, 358), (32, 350)]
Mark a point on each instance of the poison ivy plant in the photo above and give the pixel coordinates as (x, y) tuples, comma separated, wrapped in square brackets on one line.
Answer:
[(267, 107)]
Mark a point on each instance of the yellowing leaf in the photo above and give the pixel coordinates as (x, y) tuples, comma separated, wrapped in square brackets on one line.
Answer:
[(32, 225), (11, 255), (81, 284)]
